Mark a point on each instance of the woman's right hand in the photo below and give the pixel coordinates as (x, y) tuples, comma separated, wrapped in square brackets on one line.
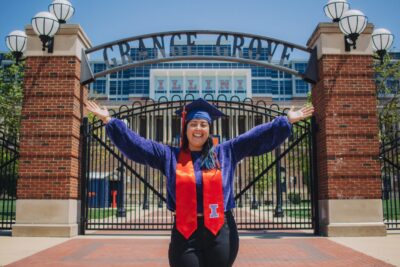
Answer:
[(101, 113)]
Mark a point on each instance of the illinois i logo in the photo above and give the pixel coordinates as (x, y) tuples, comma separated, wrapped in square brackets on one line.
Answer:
[(213, 208)]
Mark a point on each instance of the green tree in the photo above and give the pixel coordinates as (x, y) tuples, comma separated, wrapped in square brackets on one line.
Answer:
[(260, 163), (11, 94), (387, 78)]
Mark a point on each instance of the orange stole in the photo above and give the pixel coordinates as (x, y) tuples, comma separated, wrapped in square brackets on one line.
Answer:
[(186, 202)]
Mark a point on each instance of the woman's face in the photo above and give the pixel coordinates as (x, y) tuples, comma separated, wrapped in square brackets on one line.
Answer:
[(197, 133)]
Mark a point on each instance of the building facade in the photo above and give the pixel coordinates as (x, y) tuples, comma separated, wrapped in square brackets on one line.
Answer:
[(200, 78)]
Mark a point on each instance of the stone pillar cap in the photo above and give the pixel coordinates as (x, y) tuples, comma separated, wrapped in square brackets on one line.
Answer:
[(328, 38), (69, 40)]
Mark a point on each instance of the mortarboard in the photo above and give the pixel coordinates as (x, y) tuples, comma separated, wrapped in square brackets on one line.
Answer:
[(200, 109)]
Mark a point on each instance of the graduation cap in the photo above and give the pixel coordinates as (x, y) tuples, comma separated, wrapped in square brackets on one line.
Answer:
[(198, 109)]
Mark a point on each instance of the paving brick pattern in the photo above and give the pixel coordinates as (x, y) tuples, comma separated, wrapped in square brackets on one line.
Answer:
[(254, 252)]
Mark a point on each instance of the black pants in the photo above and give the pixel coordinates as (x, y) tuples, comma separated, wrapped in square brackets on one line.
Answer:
[(203, 248)]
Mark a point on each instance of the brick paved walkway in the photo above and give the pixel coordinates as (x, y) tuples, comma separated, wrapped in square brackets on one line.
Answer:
[(254, 252)]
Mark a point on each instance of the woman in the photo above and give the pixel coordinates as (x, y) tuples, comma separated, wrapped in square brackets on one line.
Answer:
[(200, 177)]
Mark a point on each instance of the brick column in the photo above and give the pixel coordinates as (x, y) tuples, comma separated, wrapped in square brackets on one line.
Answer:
[(349, 185), (48, 187)]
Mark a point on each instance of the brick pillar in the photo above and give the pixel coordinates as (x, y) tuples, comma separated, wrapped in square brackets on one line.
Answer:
[(48, 187), (348, 169)]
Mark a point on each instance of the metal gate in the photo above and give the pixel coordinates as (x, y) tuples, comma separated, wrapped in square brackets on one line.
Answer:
[(8, 180), (390, 171), (272, 191)]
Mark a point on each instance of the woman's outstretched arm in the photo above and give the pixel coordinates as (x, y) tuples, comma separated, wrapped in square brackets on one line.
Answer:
[(266, 137), (132, 145)]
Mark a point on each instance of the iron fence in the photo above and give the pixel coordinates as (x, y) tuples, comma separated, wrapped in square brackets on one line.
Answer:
[(8, 180), (272, 191), (390, 171)]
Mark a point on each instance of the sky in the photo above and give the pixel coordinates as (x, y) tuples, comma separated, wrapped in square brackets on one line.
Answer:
[(109, 20)]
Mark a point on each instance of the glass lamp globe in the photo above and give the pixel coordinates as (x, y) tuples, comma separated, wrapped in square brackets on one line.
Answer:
[(16, 41), (46, 26), (334, 9), (62, 9), (382, 39)]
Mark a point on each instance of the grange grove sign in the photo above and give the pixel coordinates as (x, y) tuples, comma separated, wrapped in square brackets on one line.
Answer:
[(182, 45)]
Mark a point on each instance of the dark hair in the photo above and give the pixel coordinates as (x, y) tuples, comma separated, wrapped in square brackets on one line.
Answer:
[(209, 159)]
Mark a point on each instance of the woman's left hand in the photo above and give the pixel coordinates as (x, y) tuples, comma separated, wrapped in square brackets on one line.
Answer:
[(301, 114)]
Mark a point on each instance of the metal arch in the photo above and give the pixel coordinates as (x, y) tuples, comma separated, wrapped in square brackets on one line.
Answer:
[(162, 99), (204, 32), (138, 103), (234, 97), (180, 102), (187, 96), (310, 75), (176, 96), (210, 95), (220, 96), (122, 107), (261, 101)]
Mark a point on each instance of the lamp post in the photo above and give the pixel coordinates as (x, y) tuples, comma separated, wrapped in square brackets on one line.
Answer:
[(334, 9), (62, 10), (46, 25), (382, 40), (352, 24), (16, 43)]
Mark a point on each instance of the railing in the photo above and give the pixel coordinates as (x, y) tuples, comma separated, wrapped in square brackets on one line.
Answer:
[(272, 191), (8, 180), (390, 169)]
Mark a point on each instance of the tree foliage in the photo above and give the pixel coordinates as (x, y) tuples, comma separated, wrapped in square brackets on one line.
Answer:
[(387, 78), (11, 94)]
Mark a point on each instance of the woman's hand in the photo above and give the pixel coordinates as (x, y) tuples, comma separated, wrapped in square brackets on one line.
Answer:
[(301, 114), (102, 113)]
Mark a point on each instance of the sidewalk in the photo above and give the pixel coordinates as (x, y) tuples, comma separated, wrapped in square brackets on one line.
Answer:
[(149, 248)]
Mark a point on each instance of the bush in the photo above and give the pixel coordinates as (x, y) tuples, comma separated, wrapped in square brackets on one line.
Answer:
[(294, 198)]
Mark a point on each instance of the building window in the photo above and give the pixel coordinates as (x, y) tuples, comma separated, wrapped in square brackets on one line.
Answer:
[(139, 87), (99, 67), (99, 87), (143, 54), (125, 88), (300, 67), (302, 87), (113, 87), (275, 88), (261, 86), (287, 87)]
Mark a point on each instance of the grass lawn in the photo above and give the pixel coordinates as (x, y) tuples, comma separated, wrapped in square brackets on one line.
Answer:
[(101, 213), (298, 213), (391, 209), (7, 210), (301, 210)]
